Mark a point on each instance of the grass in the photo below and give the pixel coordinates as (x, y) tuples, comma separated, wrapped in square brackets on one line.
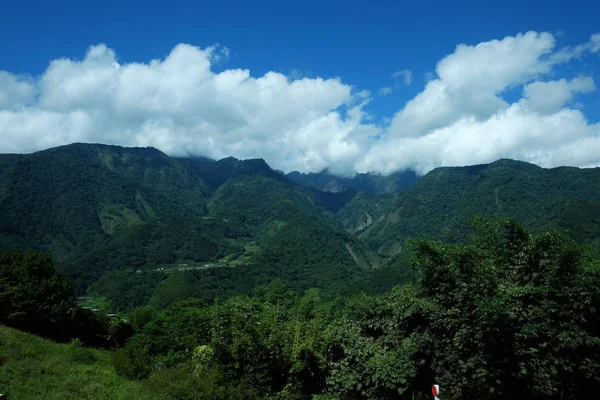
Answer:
[(100, 303), (35, 368)]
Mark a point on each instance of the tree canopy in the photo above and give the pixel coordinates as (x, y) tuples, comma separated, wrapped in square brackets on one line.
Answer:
[(508, 315)]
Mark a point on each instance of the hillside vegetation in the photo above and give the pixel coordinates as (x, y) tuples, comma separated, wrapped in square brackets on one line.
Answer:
[(439, 205), (32, 368), (507, 315), (122, 222), (106, 211), (269, 291)]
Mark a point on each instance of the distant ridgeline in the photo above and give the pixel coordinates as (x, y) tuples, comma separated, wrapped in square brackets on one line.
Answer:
[(369, 183), (439, 204), (122, 222)]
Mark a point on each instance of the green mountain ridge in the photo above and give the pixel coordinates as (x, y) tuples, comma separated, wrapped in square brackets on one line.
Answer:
[(105, 212), (439, 205), (98, 208)]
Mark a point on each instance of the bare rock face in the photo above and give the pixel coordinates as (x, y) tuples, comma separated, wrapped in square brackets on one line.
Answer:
[(364, 224), (333, 186)]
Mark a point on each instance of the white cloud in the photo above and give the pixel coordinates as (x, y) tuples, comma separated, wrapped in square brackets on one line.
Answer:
[(549, 97), (595, 43), (569, 53), (403, 77), (429, 76), (517, 132), (180, 105), (404, 74), (470, 80), (15, 91), (461, 117)]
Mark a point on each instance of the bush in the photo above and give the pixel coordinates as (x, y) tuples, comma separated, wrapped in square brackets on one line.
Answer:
[(83, 356), (132, 363), (181, 383)]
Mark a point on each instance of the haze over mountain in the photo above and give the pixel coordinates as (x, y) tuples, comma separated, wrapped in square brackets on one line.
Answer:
[(370, 183)]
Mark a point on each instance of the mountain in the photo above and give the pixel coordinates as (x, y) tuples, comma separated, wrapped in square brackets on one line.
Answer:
[(137, 226), (370, 183), (440, 203), (101, 208), (97, 207), (364, 209)]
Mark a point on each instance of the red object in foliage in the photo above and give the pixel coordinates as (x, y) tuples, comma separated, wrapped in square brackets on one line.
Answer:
[(435, 389)]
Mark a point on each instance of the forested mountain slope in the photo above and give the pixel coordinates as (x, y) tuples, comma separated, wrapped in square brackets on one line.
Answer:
[(99, 208), (439, 205)]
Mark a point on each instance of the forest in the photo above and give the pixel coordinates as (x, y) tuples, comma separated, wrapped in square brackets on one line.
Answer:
[(508, 314)]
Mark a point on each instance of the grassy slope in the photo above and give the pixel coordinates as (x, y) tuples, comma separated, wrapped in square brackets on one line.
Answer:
[(35, 368)]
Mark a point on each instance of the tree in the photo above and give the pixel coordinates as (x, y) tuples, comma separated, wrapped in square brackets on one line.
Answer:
[(33, 296), (512, 314), (119, 331)]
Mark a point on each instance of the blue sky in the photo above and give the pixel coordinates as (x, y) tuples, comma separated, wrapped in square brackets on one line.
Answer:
[(363, 43)]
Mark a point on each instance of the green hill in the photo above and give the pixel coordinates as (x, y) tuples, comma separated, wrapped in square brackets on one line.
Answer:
[(439, 205), (365, 209), (99, 209), (92, 218), (123, 220), (35, 368)]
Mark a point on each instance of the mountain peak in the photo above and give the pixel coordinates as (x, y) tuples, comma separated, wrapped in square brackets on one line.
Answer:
[(90, 150), (509, 162)]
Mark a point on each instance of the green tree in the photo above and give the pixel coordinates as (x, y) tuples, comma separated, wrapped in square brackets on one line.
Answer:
[(512, 314), (141, 316), (33, 296), (119, 331)]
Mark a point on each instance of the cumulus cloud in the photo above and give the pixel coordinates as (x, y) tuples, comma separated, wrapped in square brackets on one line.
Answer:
[(15, 91), (462, 118), (549, 97), (180, 105)]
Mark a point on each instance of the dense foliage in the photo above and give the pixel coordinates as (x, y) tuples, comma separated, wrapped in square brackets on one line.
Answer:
[(98, 209), (34, 297), (239, 283), (509, 315), (91, 218), (303, 254)]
